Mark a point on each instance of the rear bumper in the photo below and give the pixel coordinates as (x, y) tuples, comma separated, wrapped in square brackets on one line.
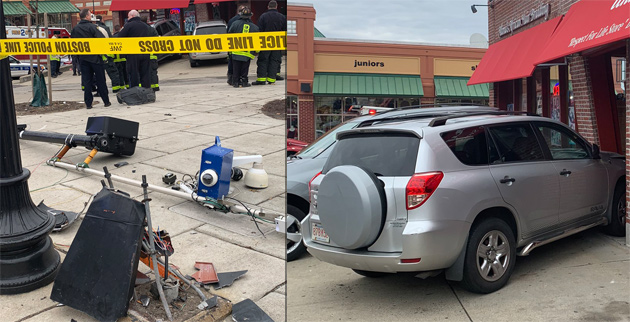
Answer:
[(437, 244)]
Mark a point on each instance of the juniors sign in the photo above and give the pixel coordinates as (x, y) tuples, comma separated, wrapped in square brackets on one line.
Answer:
[(589, 24)]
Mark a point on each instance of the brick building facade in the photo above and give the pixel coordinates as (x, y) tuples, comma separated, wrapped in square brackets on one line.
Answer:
[(328, 80), (590, 80)]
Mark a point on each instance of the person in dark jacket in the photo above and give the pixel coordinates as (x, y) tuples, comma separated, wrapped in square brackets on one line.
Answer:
[(269, 61), (153, 59), (229, 24), (92, 69), (241, 59), (138, 66)]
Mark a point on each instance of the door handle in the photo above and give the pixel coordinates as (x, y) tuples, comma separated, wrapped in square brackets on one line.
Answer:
[(565, 172), (507, 180)]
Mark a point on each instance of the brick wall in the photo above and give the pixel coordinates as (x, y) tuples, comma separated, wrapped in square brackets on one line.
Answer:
[(306, 111), (201, 12), (583, 98)]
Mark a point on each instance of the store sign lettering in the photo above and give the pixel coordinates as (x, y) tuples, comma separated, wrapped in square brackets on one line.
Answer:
[(619, 3), (527, 18), (368, 63)]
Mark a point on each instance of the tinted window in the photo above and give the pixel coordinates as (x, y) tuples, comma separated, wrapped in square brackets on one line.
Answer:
[(391, 154), (562, 143), (211, 30), (172, 26), (516, 142), (161, 29), (469, 145)]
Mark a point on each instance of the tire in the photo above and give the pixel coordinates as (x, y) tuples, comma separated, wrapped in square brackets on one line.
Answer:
[(495, 233), (369, 273), (193, 63), (617, 224), (295, 246)]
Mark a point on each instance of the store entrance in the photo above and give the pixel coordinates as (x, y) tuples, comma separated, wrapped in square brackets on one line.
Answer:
[(606, 78)]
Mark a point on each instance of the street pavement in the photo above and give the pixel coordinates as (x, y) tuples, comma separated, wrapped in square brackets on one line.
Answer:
[(192, 107), (584, 277)]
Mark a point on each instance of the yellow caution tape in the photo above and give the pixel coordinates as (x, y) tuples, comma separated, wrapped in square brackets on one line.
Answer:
[(146, 45), (3, 57)]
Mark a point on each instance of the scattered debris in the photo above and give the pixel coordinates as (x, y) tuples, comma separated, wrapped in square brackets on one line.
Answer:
[(171, 291), (145, 300), (228, 278), (208, 304), (247, 310), (206, 274), (168, 114), (63, 219), (120, 164), (142, 278)]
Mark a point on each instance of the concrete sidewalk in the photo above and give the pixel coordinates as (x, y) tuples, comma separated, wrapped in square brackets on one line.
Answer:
[(193, 106), (584, 277)]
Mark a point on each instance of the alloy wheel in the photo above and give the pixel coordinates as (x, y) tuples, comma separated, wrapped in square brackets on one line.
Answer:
[(493, 255)]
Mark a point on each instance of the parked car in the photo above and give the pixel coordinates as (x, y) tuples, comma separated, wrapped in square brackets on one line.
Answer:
[(303, 166), (461, 193), (19, 68), (166, 28), (294, 146), (213, 27)]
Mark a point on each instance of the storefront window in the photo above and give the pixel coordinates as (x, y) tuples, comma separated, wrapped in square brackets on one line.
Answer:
[(455, 101), (292, 118), (291, 27)]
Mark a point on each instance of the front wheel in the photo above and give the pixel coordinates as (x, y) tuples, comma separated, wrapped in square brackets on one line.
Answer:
[(490, 256), (295, 246), (616, 226)]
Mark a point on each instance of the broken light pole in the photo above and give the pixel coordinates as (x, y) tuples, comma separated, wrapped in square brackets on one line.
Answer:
[(27, 258)]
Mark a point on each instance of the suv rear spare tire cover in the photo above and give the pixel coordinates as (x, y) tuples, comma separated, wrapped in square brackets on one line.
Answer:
[(350, 205)]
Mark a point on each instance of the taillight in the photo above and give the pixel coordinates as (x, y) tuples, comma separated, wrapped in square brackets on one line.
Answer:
[(309, 183), (372, 112), (420, 188)]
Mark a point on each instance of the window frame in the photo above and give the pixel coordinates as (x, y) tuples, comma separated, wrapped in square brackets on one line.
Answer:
[(562, 129), (492, 140)]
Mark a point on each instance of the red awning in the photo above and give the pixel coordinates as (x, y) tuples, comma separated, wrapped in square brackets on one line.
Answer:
[(125, 5), (588, 24), (513, 57), (210, 1)]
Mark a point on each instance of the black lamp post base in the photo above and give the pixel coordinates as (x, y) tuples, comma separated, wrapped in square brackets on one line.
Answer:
[(27, 270), (28, 259)]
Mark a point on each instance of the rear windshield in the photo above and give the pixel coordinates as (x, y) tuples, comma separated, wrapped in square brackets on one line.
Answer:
[(391, 154), (211, 30)]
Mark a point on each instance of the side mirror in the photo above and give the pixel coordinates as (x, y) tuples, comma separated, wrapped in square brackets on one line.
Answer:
[(596, 152)]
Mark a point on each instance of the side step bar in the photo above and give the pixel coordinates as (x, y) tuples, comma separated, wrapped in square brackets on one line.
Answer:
[(529, 247)]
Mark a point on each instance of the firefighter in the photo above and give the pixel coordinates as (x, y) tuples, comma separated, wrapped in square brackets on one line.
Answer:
[(138, 66), (242, 59), (229, 24), (91, 65), (269, 61), (108, 60), (121, 63), (153, 58)]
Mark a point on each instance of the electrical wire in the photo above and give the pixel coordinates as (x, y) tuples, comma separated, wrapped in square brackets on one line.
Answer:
[(249, 213)]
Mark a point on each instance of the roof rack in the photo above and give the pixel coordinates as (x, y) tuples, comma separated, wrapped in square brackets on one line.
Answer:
[(439, 121)]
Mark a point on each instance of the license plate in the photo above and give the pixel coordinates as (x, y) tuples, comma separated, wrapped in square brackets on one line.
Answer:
[(319, 234)]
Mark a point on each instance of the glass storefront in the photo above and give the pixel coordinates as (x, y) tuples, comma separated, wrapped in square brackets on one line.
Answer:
[(292, 118)]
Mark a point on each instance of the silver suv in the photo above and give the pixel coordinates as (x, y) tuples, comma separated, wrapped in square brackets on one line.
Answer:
[(461, 193)]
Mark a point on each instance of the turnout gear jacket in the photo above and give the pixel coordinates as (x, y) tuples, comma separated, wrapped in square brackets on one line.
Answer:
[(135, 28), (243, 25), (85, 29), (272, 20), (104, 26)]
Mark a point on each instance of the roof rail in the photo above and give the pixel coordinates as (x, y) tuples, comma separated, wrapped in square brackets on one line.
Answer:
[(439, 121)]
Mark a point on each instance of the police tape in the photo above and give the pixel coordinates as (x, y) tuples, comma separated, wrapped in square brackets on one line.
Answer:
[(259, 41)]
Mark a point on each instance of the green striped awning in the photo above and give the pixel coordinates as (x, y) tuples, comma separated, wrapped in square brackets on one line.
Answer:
[(367, 85), (54, 6), (456, 87), (15, 8)]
